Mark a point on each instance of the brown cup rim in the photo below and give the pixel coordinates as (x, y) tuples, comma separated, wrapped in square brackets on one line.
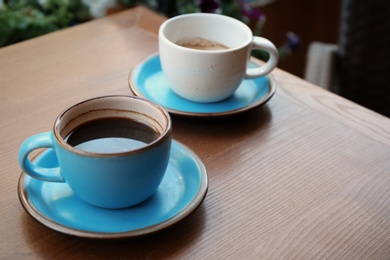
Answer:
[(166, 134)]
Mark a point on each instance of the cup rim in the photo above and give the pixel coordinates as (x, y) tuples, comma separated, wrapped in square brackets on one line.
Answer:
[(218, 16), (166, 134)]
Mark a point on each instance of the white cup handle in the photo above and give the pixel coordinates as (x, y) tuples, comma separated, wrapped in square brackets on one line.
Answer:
[(268, 46)]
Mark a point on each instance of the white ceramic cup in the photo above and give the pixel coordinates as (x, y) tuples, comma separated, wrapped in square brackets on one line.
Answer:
[(210, 75)]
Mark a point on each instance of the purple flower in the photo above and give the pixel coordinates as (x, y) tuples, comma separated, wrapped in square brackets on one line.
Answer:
[(253, 14), (293, 41)]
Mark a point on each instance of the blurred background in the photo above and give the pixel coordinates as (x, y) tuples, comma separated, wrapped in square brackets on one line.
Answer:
[(340, 45)]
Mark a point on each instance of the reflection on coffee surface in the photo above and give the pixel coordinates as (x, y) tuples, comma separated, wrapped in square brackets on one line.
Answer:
[(200, 44), (111, 135)]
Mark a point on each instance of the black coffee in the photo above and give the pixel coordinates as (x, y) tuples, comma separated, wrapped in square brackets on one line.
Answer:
[(111, 135)]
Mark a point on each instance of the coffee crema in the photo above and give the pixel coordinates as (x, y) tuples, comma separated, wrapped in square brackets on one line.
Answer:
[(111, 135), (199, 43)]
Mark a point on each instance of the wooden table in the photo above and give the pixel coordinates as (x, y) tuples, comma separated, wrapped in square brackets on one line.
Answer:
[(307, 176)]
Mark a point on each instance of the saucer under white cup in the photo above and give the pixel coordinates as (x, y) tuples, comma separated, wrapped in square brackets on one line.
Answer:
[(147, 80)]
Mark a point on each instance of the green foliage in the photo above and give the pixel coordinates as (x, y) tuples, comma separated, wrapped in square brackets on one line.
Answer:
[(186, 6), (25, 19), (231, 8)]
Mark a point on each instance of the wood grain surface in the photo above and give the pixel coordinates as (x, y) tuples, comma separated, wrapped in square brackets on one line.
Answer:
[(306, 176)]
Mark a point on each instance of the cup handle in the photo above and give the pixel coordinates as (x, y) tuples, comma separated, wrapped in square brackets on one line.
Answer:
[(268, 46), (42, 140)]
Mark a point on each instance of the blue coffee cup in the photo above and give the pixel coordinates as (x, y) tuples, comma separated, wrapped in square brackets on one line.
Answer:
[(112, 151)]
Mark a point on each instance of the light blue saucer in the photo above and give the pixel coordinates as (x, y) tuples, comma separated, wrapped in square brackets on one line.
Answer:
[(54, 204), (148, 81)]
